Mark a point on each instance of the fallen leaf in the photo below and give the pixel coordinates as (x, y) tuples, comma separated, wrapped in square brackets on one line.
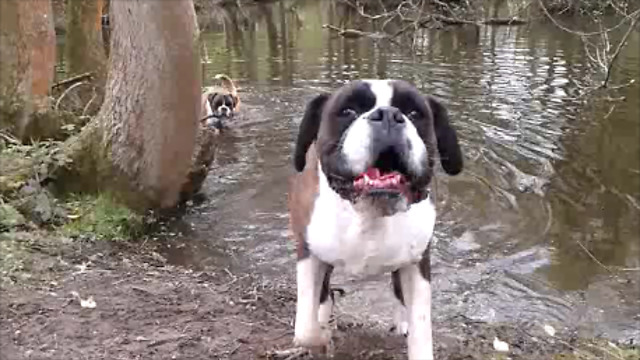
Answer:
[(500, 345), (88, 303), (549, 330)]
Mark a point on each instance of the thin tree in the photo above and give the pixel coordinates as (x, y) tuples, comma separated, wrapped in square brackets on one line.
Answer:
[(140, 145), (27, 55), (84, 45)]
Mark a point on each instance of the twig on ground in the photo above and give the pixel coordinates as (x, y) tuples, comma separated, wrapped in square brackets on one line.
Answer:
[(286, 333), (93, 98), (593, 257), (159, 342), (274, 317), (9, 138), (287, 354), (67, 92), (233, 351), (73, 80)]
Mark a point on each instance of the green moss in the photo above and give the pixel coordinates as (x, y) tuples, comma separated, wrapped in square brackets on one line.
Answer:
[(10, 217), (21, 163), (12, 256), (101, 217)]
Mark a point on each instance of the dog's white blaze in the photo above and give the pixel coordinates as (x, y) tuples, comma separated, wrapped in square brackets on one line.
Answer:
[(365, 244), (383, 90), (357, 143), (357, 139), (416, 291)]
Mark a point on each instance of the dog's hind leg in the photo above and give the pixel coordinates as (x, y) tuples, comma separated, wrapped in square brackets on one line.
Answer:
[(326, 299), (416, 290), (311, 274), (401, 326)]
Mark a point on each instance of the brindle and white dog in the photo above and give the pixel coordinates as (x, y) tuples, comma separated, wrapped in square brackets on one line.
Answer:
[(360, 201), (219, 103)]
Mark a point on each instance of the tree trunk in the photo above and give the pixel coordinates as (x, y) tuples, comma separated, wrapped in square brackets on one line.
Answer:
[(84, 50), (27, 55), (140, 145)]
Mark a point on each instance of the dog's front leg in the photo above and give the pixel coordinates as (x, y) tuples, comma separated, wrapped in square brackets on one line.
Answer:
[(416, 291), (310, 276)]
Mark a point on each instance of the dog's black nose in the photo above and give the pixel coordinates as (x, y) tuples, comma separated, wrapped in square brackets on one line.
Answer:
[(388, 114)]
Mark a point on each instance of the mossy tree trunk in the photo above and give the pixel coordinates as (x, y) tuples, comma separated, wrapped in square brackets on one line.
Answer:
[(27, 55), (140, 145), (84, 46)]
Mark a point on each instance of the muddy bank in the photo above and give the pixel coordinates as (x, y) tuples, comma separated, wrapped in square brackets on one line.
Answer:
[(102, 300)]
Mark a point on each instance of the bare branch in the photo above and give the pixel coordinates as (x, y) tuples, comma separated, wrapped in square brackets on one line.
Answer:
[(621, 45), (576, 32)]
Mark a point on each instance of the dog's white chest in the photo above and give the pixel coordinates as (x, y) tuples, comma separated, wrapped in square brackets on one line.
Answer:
[(363, 244)]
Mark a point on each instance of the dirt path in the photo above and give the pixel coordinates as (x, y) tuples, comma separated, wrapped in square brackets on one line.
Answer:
[(145, 309)]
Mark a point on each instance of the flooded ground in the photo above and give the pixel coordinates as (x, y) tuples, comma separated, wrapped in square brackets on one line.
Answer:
[(551, 182)]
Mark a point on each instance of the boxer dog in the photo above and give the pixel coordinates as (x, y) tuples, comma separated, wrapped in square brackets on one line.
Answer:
[(219, 103), (360, 201)]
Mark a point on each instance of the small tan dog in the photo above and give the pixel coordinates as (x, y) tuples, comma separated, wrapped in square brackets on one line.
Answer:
[(219, 103)]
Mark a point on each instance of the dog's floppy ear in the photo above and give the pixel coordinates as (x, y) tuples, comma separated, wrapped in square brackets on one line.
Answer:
[(308, 130), (448, 147), (211, 96)]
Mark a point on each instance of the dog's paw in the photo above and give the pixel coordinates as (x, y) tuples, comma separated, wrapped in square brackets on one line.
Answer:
[(287, 354), (401, 326), (317, 339)]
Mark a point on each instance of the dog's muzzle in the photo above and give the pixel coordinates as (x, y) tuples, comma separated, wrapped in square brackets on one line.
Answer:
[(388, 131), (224, 111)]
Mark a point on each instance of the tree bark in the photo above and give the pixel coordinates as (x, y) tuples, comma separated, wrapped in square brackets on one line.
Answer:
[(140, 145), (84, 47), (27, 55)]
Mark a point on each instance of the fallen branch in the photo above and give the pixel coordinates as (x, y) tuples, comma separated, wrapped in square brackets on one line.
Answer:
[(505, 21), (73, 80), (9, 138), (593, 257), (347, 33), (454, 21), (67, 92)]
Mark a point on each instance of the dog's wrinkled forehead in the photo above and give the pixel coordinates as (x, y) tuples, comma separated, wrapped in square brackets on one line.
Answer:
[(362, 96), (221, 99)]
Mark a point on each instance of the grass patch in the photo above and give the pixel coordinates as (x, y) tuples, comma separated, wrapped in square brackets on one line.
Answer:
[(22, 163), (12, 256), (600, 349), (101, 218)]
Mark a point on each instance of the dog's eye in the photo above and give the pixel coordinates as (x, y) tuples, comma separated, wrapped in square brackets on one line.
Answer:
[(414, 114), (348, 113)]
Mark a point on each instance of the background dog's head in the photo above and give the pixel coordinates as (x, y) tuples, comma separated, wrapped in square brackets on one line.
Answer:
[(222, 105), (378, 137)]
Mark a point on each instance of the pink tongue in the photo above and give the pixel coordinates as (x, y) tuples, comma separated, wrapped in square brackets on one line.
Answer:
[(373, 179)]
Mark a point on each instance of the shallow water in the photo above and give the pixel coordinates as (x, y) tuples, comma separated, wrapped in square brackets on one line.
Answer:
[(542, 226)]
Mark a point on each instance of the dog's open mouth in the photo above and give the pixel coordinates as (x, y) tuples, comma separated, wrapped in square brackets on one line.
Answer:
[(374, 179), (386, 175)]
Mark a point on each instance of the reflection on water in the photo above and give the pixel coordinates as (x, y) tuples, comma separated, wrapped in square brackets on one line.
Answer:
[(551, 184)]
